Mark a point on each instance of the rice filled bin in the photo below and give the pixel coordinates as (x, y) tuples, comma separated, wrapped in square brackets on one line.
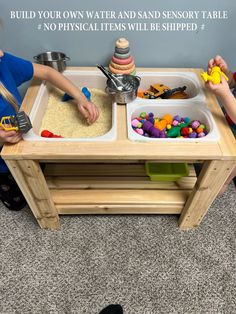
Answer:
[(44, 116)]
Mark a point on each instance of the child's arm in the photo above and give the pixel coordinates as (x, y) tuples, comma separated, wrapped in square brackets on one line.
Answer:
[(223, 91), (86, 108)]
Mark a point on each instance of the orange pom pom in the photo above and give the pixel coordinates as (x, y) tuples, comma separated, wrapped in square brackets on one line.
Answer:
[(168, 118), (161, 125), (199, 130)]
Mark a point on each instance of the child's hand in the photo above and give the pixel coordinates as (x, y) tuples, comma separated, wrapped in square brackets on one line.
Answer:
[(221, 89), (89, 111), (10, 136), (220, 62)]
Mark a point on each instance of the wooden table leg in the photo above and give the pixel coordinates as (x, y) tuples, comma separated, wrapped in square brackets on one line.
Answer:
[(212, 177), (31, 181)]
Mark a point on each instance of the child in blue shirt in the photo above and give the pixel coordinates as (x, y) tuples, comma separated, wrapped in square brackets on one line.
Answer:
[(227, 98), (13, 72)]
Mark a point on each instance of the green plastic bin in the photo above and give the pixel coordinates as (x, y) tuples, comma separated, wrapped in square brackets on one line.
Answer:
[(166, 171)]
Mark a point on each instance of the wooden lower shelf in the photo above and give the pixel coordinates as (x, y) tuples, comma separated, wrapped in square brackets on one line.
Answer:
[(114, 189), (119, 201), (116, 210)]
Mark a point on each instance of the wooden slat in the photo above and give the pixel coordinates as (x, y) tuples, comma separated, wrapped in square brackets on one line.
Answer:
[(119, 197), (211, 179), (95, 169), (30, 179), (118, 209), (100, 169), (78, 182), (112, 150)]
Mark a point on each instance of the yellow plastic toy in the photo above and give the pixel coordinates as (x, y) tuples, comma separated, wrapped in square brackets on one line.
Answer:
[(215, 75), (7, 125), (18, 122)]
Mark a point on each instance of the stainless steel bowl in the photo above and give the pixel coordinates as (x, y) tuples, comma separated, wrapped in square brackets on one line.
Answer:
[(54, 59), (124, 97)]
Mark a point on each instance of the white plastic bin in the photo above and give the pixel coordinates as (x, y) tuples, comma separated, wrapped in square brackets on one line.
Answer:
[(172, 80), (195, 110), (90, 79)]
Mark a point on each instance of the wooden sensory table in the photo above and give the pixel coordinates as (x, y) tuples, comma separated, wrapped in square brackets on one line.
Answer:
[(109, 177)]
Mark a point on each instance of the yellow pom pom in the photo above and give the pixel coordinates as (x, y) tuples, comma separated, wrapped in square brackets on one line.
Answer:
[(190, 130), (168, 126)]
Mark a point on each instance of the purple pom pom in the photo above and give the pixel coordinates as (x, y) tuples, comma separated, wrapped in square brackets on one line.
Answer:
[(177, 118), (162, 134), (154, 132), (147, 125), (151, 120), (151, 115), (192, 135)]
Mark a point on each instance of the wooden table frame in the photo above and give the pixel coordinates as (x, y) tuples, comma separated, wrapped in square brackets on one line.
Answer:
[(50, 194)]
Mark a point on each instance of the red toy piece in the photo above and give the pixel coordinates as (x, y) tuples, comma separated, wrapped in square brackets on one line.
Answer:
[(46, 133), (184, 131)]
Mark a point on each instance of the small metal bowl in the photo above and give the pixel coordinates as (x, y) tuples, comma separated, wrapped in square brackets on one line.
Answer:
[(54, 59), (124, 97)]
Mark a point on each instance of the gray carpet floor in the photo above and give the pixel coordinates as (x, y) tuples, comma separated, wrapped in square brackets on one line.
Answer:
[(145, 263)]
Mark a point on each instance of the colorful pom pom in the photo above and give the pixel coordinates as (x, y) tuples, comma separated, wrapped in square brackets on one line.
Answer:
[(135, 123), (139, 131), (143, 115), (175, 122), (184, 131), (199, 130), (168, 118), (202, 134), (177, 118), (195, 124)]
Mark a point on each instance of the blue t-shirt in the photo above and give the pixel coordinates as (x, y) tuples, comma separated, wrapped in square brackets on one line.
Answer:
[(14, 71)]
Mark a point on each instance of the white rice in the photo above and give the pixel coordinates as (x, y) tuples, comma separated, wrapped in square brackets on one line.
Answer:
[(63, 118)]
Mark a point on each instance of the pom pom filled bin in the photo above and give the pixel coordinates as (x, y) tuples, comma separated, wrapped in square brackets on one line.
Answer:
[(166, 171)]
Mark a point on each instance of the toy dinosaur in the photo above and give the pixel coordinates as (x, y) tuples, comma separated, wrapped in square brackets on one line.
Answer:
[(215, 75)]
